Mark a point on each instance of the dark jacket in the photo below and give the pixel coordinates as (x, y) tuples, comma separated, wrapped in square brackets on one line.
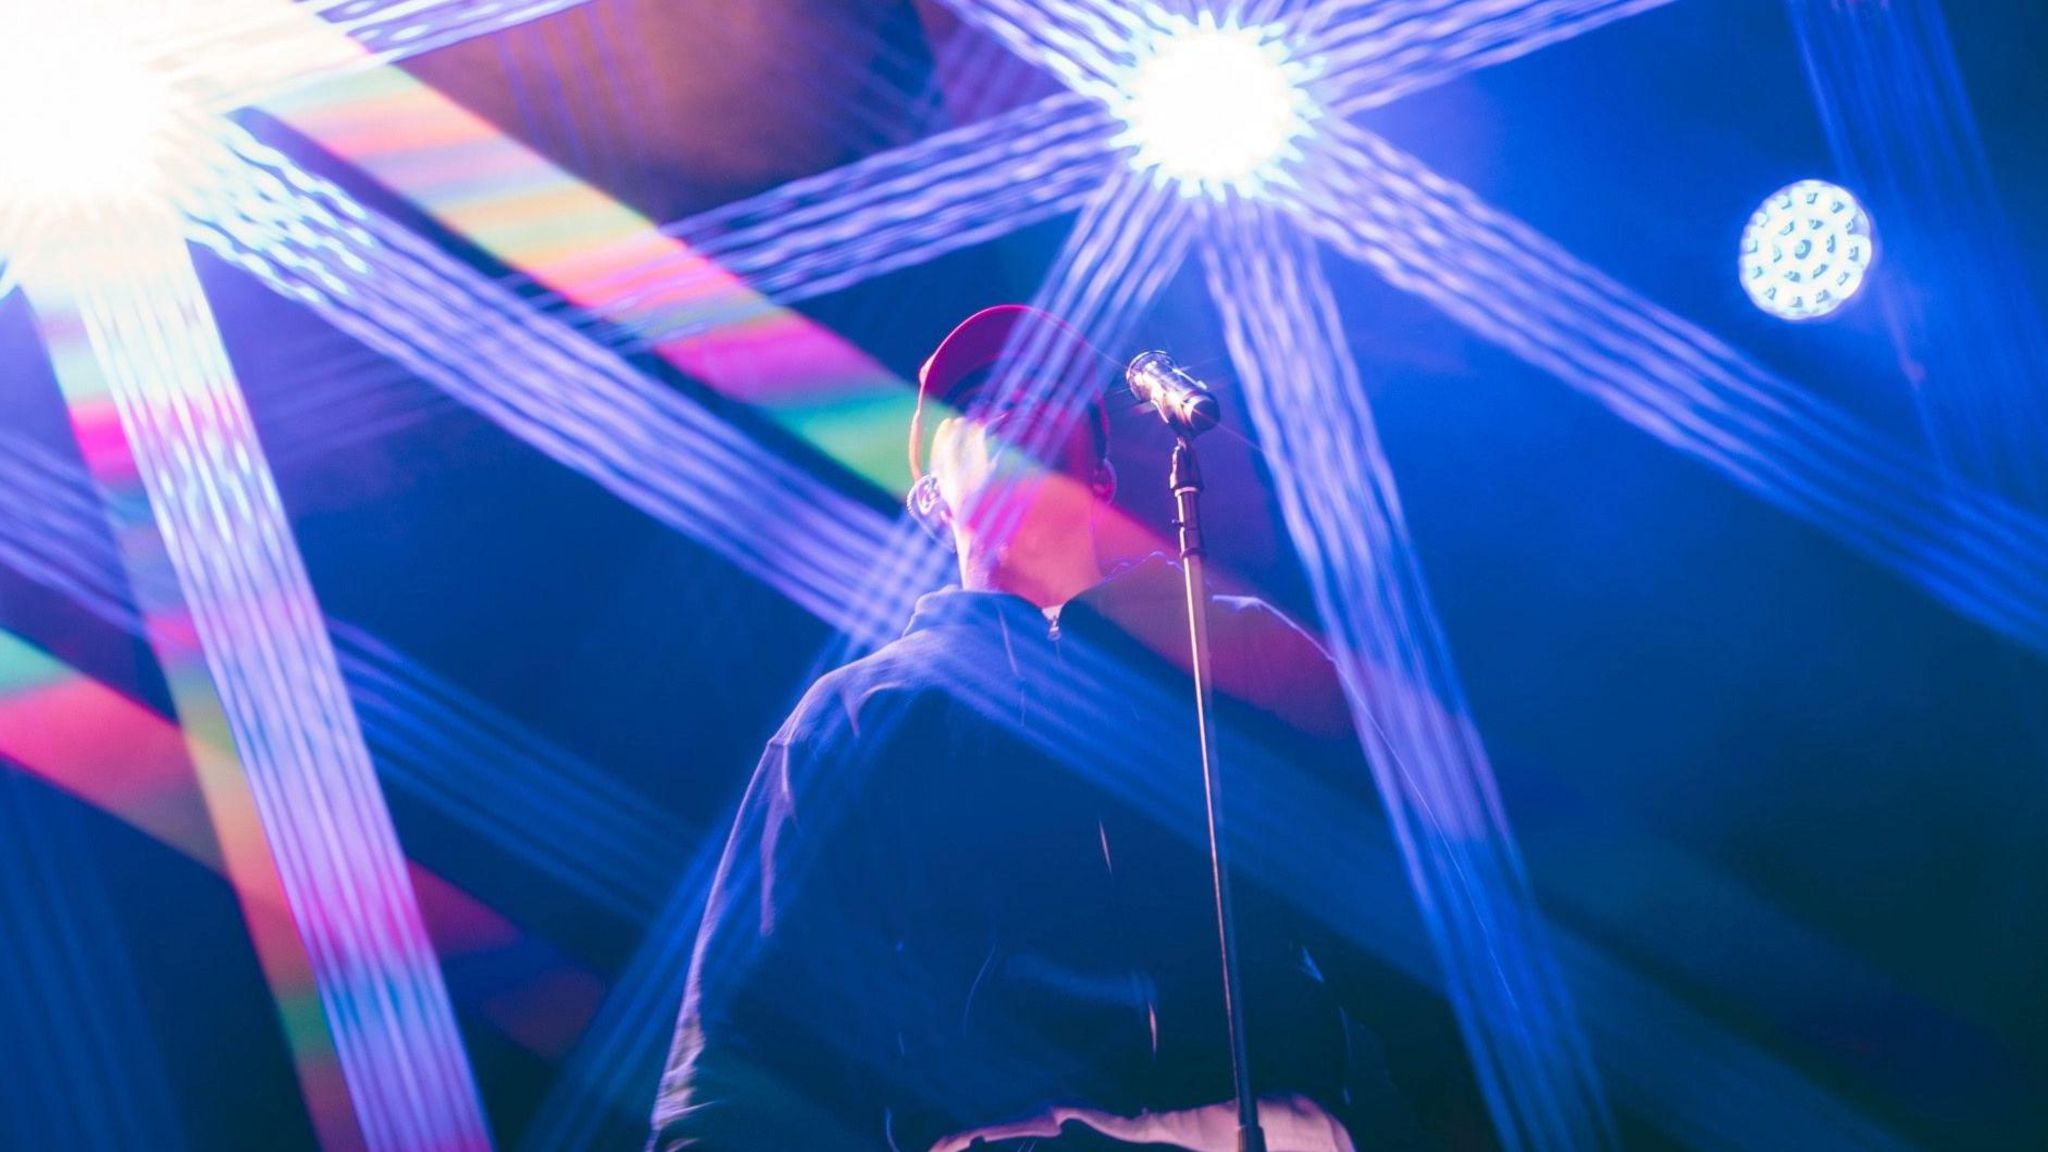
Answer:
[(969, 881)]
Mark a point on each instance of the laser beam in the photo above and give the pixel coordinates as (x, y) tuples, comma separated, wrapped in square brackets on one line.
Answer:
[(1964, 324), (1690, 390), (226, 598), (574, 400), (893, 210), (1338, 498), (1376, 53), (433, 743), (1087, 45)]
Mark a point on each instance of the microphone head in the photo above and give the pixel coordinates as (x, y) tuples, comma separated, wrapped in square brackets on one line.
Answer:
[(1185, 403), (1148, 367)]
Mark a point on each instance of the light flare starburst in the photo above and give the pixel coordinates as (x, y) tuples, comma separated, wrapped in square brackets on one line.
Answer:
[(1216, 108), (94, 128)]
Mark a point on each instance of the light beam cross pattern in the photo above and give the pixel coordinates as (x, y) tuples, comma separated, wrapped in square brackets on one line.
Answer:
[(1339, 185)]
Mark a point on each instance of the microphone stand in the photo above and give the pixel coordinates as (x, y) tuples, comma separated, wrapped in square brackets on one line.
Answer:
[(1185, 478)]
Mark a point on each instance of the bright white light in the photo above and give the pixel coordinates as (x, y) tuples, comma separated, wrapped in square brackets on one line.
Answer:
[(1216, 108), (1807, 250), (86, 127)]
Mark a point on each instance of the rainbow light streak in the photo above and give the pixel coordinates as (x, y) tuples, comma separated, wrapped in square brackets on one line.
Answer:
[(184, 789), (889, 211), (1968, 335), (578, 402), (226, 599), (55, 533), (1376, 53), (79, 1076), (573, 240), (1337, 495), (433, 743), (124, 759), (1508, 284)]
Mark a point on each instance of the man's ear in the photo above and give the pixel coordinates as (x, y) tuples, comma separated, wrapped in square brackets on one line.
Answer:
[(1104, 483), (929, 509)]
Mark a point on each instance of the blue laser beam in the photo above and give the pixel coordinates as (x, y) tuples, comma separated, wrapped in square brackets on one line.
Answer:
[(433, 743), (54, 532), (974, 76), (1968, 333), (1511, 286), (131, 295), (1338, 498), (1376, 53), (1087, 45), (396, 29), (570, 398), (211, 54), (896, 209)]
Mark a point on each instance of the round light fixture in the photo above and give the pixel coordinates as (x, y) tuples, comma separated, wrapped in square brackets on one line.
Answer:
[(1807, 250)]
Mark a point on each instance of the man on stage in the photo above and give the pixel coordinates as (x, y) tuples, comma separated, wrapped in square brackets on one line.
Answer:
[(966, 900)]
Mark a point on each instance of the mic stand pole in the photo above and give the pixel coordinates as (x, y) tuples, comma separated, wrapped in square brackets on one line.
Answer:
[(1186, 480)]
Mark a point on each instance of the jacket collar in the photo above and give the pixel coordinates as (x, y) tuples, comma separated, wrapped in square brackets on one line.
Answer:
[(1140, 590)]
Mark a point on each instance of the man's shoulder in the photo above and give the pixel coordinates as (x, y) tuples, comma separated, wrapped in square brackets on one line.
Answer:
[(1251, 620), (852, 697), (1278, 665), (1256, 611)]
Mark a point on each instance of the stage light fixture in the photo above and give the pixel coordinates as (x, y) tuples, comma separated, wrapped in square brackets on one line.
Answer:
[(1215, 108), (87, 127), (1807, 250)]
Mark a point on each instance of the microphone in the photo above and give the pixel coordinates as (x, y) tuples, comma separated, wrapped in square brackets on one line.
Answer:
[(1185, 403)]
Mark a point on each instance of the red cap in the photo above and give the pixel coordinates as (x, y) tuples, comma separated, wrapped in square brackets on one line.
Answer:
[(979, 342)]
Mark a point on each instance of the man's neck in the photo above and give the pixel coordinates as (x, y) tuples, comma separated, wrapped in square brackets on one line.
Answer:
[(1046, 578)]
